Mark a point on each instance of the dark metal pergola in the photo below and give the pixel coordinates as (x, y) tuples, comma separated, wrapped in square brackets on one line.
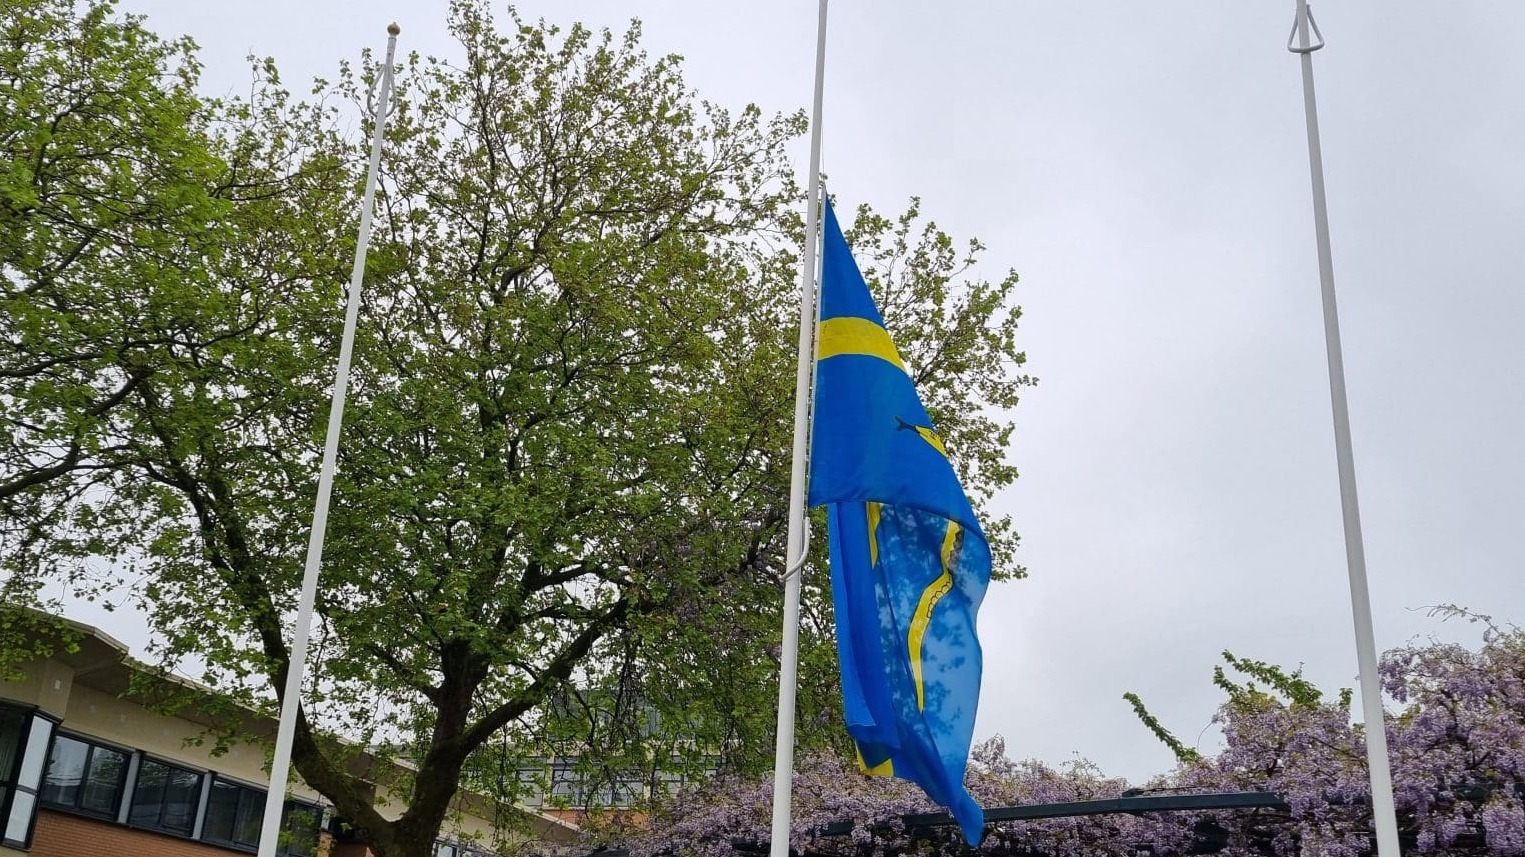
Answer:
[(1130, 804)]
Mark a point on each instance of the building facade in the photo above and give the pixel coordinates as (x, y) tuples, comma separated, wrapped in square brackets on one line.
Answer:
[(85, 771)]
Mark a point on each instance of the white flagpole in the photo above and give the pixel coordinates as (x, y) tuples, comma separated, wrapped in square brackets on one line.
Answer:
[(280, 763), (788, 672), (1383, 812)]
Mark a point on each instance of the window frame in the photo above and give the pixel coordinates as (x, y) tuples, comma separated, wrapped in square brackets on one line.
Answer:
[(11, 774), (249, 791), (13, 782), (129, 771), (568, 785), (630, 789), (246, 791), (203, 778), (288, 809), (532, 785), (38, 754)]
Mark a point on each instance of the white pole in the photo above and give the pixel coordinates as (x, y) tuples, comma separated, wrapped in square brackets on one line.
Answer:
[(1383, 812), (280, 763), (788, 670)]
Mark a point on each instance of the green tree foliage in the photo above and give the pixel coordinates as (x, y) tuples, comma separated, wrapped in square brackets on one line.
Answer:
[(557, 522), (1278, 688), (106, 182), (1183, 753), (142, 229)]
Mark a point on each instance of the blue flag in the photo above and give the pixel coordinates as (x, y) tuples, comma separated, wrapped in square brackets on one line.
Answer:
[(909, 562)]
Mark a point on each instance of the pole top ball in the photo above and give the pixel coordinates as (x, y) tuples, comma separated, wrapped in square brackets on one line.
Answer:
[(393, 29)]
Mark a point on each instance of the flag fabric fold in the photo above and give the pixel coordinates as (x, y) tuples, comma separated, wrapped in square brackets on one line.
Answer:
[(909, 561)]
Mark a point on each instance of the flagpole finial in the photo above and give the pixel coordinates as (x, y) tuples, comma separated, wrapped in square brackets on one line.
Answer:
[(393, 29)]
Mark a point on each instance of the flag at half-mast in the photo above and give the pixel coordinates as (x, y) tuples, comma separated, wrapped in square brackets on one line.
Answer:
[(909, 561)]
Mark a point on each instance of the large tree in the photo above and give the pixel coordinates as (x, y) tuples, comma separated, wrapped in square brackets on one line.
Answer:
[(562, 478)]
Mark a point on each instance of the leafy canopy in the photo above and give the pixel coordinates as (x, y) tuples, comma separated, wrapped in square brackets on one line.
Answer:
[(557, 518)]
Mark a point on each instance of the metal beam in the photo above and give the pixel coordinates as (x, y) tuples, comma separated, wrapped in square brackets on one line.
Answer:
[(1110, 806), (1141, 803)]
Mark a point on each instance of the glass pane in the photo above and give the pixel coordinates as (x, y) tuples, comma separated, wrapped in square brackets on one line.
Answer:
[(565, 780), (601, 796), (66, 771), (531, 785), (103, 781), (36, 754), (149, 796), (531, 796), (17, 826), (222, 812), (182, 793), (629, 790), (302, 830), (10, 741), (251, 814)]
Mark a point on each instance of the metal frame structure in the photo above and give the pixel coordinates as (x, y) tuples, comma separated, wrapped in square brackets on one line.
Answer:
[(1130, 803)]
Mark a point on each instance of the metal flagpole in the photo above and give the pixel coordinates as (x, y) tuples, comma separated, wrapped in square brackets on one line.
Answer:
[(280, 763), (788, 670), (1355, 553)]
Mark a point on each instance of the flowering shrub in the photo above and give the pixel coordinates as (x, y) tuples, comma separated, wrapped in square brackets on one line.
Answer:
[(1457, 744)]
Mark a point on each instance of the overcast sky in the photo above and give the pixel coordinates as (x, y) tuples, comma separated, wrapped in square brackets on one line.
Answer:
[(1144, 167)]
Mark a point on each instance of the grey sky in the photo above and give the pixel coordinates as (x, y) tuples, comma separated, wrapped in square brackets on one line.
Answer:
[(1143, 165)]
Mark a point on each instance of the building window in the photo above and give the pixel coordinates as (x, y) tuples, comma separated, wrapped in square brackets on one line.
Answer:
[(669, 783), (530, 786), (166, 798), (622, 790), (235, 812), (12, 741), (300, 838), (566, 783), (23, 750), (629, 789), (84, 777)]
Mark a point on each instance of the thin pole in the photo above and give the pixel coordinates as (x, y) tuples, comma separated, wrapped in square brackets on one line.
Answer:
[(280, 763), (1383, 813), (788, 670)]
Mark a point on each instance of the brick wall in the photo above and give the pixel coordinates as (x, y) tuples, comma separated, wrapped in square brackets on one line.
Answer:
[(60, 834)]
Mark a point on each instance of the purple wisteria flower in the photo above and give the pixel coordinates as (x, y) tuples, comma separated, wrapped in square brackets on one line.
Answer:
[(1456, 734)]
